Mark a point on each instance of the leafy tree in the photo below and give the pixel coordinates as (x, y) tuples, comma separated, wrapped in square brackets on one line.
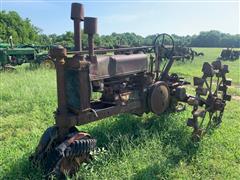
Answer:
[(21, 30), (24, 32)]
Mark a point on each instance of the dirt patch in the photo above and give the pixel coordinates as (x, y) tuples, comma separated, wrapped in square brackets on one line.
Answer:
[(236, 98), (234, 86)]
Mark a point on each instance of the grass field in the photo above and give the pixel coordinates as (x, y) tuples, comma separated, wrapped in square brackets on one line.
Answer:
[(148, 147)]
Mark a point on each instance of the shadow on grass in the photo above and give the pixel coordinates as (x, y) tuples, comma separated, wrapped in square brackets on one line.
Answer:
[(108, 133), (177, 147), (173, 134), (171, 130)]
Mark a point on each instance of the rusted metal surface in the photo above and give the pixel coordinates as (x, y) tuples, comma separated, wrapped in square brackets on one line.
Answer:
[(118, 65), (59, 53), (90, 25), (102, 51), (77, 15), (90, 28), (77, 93), (210, 100), (158, 97)]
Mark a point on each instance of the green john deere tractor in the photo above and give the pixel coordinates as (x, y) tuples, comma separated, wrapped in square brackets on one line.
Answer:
[(11, 56)]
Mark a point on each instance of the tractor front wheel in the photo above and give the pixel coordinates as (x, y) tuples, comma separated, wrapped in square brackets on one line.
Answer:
[(59, 157), (48, 64)]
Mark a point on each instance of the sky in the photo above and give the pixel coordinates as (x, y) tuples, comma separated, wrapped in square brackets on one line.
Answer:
[(181, 17)]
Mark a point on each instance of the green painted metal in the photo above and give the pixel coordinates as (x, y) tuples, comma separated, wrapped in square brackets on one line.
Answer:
[(4, 45), (21, 54), (21, 51)]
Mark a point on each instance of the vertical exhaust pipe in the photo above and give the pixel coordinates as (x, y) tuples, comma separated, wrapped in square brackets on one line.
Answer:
[(90, 28), (77, 15), (11, 41)]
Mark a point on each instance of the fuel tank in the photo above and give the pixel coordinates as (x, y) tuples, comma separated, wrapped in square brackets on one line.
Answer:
[(105, 67)]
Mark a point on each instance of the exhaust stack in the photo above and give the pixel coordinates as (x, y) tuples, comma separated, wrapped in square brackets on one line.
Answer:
[(77, 15), (90, 28)]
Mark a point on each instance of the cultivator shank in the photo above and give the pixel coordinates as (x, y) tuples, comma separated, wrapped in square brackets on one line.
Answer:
[(211, 96)]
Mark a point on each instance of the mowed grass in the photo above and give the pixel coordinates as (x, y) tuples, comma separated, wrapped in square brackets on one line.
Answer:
[(148, 147)]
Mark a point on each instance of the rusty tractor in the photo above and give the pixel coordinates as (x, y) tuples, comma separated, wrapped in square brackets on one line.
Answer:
[(186, 53), (136, 83)]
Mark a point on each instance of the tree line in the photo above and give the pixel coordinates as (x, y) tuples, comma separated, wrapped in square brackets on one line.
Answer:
[(24, 32)]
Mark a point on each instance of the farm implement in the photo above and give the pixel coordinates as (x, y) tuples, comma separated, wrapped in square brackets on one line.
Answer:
[(135, 83), (11, 56), (229, 54), (185, 53)]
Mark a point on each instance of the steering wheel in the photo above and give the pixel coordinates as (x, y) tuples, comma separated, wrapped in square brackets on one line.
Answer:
[(160, 45)]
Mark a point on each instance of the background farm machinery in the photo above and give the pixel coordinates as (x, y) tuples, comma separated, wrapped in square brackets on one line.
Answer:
[(133, 83), (186, 53), (11, 55), (229, 54), (182, 53)]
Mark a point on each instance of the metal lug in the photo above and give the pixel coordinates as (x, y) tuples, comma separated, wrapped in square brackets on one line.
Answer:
[(222, 88), (217, 65), (227, 97), (207, 69), (201, 91), (199, 113), (225, 69), (197, 81), (228, 82), (192, 101)]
